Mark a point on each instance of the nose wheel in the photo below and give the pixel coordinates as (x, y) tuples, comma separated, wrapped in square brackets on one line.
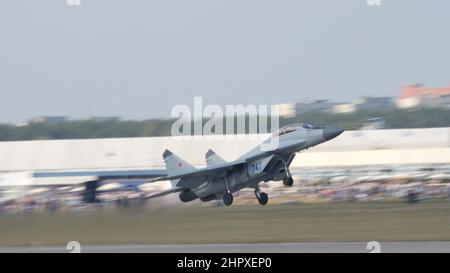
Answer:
[(262, 197), (288, 182)]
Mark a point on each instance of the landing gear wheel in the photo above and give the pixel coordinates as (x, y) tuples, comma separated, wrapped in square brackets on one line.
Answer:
[(227, 199), (263, 198), (288, 181)]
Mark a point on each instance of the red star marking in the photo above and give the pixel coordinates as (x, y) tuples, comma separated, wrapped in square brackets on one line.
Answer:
[(180, 165)]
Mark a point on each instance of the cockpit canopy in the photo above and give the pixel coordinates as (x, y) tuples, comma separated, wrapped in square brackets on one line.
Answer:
[(294, 127)]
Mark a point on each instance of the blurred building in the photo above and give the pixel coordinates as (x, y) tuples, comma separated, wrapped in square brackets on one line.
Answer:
[(293, 109), (376, 123), (315, 105), (374, 103), (49, 119), (83, 156), (109, 167), (103, 119), (343, 108), (365, 103), (287, 110), (416, 95)]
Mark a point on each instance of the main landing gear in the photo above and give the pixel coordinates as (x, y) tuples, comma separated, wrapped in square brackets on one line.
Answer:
[(261, 196), (227, 196)]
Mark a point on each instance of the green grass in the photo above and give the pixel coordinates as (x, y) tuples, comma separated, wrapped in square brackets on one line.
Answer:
[(387, 221)]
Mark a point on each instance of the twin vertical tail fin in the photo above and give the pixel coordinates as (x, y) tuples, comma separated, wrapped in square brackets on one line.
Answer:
[(175, 165), (212, 158)]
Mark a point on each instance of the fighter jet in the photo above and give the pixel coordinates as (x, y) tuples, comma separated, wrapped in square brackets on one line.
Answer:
[(269, 161)]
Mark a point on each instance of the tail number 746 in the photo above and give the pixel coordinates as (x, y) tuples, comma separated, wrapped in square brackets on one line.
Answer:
[(255, 168)]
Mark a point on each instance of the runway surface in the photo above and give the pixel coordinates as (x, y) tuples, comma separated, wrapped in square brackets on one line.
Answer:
[(358, 247)]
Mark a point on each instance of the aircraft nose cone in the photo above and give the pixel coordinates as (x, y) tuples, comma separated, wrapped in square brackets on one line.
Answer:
[(330, 133)]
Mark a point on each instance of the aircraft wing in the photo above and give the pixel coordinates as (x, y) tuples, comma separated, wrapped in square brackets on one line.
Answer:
[(201, 175)]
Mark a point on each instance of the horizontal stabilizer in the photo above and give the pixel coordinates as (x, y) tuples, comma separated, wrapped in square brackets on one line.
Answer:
[(160, 194)]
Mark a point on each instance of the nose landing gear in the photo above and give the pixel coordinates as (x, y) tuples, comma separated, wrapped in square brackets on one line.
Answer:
[(287, 181)]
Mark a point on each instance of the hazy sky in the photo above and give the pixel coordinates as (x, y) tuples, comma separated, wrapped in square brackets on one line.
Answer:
[(138, 58)]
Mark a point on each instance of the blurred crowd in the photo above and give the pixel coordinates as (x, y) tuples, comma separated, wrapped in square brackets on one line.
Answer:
[(64, 201), (306, 189), (411, 192)]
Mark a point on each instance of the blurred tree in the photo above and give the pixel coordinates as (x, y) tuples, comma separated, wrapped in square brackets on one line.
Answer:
[(83, 129)]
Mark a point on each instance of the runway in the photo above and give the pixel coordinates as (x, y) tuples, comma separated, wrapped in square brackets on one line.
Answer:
[(330, 247)]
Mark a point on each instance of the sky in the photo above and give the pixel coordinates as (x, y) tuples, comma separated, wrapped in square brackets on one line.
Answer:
[(139, 58)]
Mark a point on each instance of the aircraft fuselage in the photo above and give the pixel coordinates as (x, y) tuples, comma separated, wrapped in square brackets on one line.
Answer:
[(269, 168)]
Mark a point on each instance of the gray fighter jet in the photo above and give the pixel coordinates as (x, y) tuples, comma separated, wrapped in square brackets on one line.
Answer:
[(269, 161)]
